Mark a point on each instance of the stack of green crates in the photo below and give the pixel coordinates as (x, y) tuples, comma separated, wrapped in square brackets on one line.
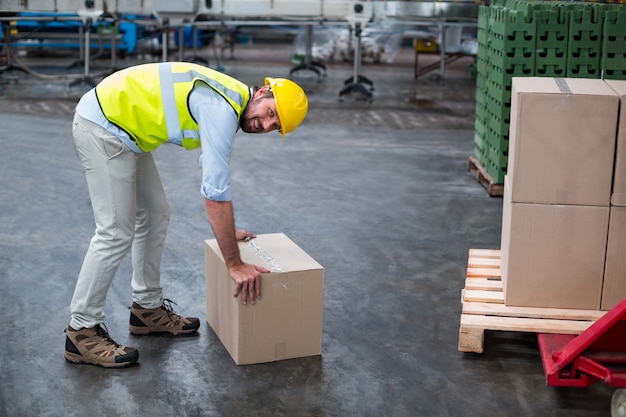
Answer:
[(613, 55), (520, 38)]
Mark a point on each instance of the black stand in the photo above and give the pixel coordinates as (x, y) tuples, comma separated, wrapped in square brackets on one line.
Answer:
[(165, 38), (195, 58), (357, 81), (86, 78), (309, 64), (114, 29)]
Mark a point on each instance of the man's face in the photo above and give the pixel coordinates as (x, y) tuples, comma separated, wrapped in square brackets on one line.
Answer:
[(260, 116)]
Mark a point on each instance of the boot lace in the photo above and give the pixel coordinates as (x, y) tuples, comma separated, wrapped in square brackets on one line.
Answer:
[(103, 332), (167, 306)]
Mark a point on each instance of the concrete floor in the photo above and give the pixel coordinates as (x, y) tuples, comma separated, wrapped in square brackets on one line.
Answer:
[(378, 193)]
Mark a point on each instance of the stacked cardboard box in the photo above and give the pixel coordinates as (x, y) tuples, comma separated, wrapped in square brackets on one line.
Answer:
[(558, 190), (529, 38), (286, 322), (614, 289)]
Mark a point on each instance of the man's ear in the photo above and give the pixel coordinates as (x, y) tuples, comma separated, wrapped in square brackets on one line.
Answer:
[(261, 91)]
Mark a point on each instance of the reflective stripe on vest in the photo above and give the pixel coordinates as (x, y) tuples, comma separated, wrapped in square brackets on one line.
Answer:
[(151, 116)]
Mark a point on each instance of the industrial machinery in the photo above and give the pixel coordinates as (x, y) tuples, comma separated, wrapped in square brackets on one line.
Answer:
[(117, 25)]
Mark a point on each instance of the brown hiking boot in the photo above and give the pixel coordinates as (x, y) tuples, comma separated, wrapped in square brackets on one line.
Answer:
[(94, 346), (160, 320)]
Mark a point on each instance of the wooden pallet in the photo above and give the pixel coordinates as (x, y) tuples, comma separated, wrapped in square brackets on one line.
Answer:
[(493, 189), (484, 309)]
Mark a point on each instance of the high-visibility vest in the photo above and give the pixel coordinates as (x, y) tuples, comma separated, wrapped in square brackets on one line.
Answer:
[(149, 101)]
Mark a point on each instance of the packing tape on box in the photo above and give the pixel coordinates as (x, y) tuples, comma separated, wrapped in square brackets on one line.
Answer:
[(273, 264), (562, 84)]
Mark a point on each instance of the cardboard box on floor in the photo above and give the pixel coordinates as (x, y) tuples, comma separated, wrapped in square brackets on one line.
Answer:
[(552, 254), (618, 198), (562, 140), (286, 322)]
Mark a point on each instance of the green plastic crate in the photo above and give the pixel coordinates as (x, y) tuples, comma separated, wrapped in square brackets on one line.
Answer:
[(613, 58), (496, 172), (551, 41), (498, 157), (584, 44)]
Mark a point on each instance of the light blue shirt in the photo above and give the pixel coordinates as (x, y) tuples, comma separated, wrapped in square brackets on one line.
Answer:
[(218, 125)]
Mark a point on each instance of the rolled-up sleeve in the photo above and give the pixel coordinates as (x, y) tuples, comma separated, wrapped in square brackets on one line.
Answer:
[(218, 125)]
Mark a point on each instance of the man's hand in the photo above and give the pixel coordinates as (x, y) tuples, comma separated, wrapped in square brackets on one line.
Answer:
[(246, 276), (241, 234), (247, 279)]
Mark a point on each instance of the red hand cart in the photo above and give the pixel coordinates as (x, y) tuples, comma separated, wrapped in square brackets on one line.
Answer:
[(597, 354)]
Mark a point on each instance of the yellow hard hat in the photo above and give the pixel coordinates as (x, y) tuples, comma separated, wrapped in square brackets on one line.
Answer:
[(291, 103)]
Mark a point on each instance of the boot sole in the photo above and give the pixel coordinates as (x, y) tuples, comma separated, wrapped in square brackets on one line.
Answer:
[(144, 331), (80, 360)]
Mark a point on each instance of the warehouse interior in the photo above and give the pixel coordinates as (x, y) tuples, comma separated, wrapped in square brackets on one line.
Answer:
[(389, 183)]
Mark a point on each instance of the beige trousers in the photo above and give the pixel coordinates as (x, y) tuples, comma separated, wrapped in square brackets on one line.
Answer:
[(130, 211)]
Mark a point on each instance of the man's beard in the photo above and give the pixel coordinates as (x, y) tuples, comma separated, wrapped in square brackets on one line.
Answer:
[(245, 119)]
